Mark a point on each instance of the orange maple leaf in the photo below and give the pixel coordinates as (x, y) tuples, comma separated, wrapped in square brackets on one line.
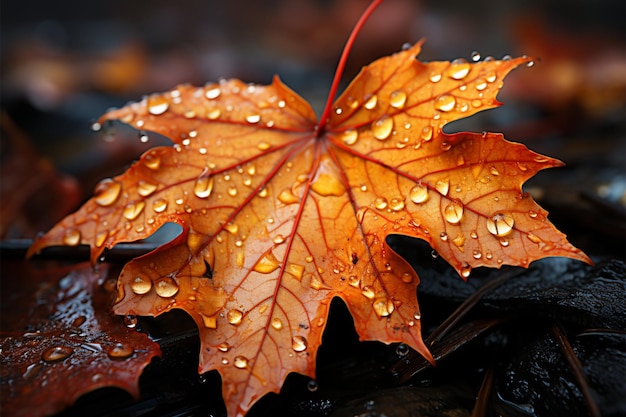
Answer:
[(282, 213)]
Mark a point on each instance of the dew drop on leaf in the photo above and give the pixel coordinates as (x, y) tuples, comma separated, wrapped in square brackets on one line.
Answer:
[(368, 292), (354, 281), (459, 68), (426, 133), (130, 321), (296, 270), (234, 317), (418, 194), (133, 210), (145, 188), (380, 203), (299, 343), (286, 196), (120, 351), (453, 212), (213, 93), (101, 238), (534, 238), (382, 127), (107, 192), (442, 186), (157, 105), (435, 77), (350, 136), (267, 264), (210, 322), (370, 102), (397, 99), (152, 161), (383, 307), (445, 102), (56, 353), (141, 285), (223, 347), (326, 185), (500, 224), (253, 118), (276, 323), (72, 237), (466, 269), (396, 203), (240, 362), (159, 205), (166, 287)]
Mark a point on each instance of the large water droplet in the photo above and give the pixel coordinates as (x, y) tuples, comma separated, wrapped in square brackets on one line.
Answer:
[(397, 99), (253, 118), (159, 205), (326, 184), (56, 353), (466, 269), (232, 228), (145, 188), (240, 362), (141, 285), (157, 105), (435, 77), (295, 270), (383, 307), (203, 186), (166, 287), (370, 102), (382, 127), (459, 68), (286, 196), (120, 351), (500, 224), (396, 203), (213, 93), (72, 237), (443, 186), (299, 343), (133, 210), (368, 292), (445, 102), (419, 193), (350, 136), (107, 192), (268, 263), (234, 317), (276, 323), (152, 161), (380, 203), (453, 212)]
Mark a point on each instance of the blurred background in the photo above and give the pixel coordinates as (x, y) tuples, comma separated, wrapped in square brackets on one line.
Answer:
[(64, 63)]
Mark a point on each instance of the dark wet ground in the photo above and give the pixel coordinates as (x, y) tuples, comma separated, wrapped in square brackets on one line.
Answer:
[(64, 66)]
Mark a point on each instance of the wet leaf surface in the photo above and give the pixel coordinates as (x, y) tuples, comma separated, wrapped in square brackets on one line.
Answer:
[(59, 340)]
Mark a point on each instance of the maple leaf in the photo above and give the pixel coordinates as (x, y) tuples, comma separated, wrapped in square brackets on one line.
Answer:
[(282, 213)]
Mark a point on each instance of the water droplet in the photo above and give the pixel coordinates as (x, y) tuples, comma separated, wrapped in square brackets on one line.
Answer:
[(406, 277), (299, 343), (480, 84), (213, 93), (459, 68), (396, 203), (253, 118), (145, 188), (504, 242), (210, 322), (370, 102), (152, 161), (443, 186), (276, 323), (453, 212), (143, 137), (56, 353), (350, 136), (419, 193), (473, 234), (120, 351), (278, 239), (166, 287), (491, 77), (232, 191), (130, 321), (530, 63), (500, 224), (402, 350), (326, 184), (466, 269), (107, 192), (268, 263), (133, 210), (477, 103), (240, 362), (380, 203), (382, 127), (383, 307), (159, 205), (354, 281), (232, 228), (534, 238), (475, 55), (157, 105), (494, 171), (443, 236), (445, 102), (435, 77), (312, 385), (203, 186), (286, 196), (295, 270), (223, 347), (368, 292), (72, 237), (522, 166), (141, 285), (426, 133), (476, 254), (397, 99), (234, 317), (434, 254), (459, 241)]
